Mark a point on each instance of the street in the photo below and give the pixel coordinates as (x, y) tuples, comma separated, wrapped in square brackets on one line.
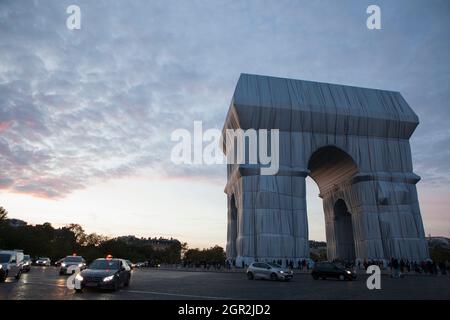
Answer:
[(45, 283)]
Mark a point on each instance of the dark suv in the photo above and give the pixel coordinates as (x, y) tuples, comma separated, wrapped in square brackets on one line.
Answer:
[(325, 270)]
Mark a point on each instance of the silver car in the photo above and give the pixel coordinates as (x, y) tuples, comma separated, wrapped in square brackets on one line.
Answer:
[(43, 261), (272, 271)]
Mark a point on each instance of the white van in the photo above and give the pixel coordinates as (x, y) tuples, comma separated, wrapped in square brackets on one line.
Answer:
[(10, 264)]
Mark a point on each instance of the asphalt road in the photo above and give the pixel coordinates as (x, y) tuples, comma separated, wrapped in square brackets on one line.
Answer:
[(45, 283)]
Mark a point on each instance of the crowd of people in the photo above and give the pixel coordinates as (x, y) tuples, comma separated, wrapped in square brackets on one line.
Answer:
[(401, 266), (301, 264)]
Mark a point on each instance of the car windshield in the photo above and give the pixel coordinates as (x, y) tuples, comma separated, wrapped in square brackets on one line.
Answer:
[(4, 257), (73, 259), (324, 265), (105, 265), (26, 257), (274, 265), (43, 258)]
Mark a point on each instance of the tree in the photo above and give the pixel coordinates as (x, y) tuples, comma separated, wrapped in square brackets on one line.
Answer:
[(3, 214), (94, 239), (184, 248), (3, 227), (79, 233), (215, 255)]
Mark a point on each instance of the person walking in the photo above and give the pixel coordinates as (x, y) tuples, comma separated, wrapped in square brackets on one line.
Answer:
[(395, 268), (442, 268)]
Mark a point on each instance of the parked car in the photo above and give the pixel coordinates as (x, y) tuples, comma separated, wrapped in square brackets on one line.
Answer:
[(69, 261), (272, 271), (26, 265), (43, 261), (325, 270), (10, 264), (106, 273)]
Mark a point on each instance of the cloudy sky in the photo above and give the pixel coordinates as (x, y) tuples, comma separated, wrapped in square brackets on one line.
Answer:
[(86, 115)]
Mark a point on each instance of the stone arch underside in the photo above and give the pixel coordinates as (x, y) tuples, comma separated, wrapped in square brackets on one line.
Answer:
[(333, 169), (375, 179), (343, 232)]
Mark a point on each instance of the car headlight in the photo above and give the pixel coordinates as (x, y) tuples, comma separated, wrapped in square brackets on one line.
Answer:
[(80, 265), (1, 266), (348, 272), (63, 264), (281, 271), (79, 277), (109, 278)]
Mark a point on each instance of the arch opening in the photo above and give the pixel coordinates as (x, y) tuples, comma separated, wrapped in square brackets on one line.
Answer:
[(331, 168), (343, 232), (233, 227)]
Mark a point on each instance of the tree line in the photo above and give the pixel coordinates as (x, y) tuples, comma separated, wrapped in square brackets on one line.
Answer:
[(43, 240), (213, 256)]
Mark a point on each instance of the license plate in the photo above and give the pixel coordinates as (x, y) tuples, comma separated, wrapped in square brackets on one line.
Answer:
[(91, 284)]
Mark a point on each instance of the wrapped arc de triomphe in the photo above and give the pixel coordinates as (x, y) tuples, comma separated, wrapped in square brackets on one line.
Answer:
[(354, 143)]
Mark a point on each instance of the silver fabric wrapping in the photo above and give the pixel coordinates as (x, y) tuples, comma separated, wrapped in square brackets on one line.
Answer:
[(366, 134)]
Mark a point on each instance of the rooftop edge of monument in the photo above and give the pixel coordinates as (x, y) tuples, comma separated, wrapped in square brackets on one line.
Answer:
[(258, 91)]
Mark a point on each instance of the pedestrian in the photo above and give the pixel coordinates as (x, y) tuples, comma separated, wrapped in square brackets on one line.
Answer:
[(442, 268), (395, 268), (435, 268)]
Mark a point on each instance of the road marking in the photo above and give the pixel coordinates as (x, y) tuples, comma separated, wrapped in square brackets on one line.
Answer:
[(140, 291), (177, 294), (45, 284)]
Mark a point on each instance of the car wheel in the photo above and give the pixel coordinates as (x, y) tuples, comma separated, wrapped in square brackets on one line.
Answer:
[(250, 276), (341, 277), (78, 290), (315, 277), (2, 279), (127, 283), (115, 286), (18, 275), (273, 276)]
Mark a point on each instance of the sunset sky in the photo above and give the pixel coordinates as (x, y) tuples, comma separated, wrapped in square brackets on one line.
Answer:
[(86, 115)]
